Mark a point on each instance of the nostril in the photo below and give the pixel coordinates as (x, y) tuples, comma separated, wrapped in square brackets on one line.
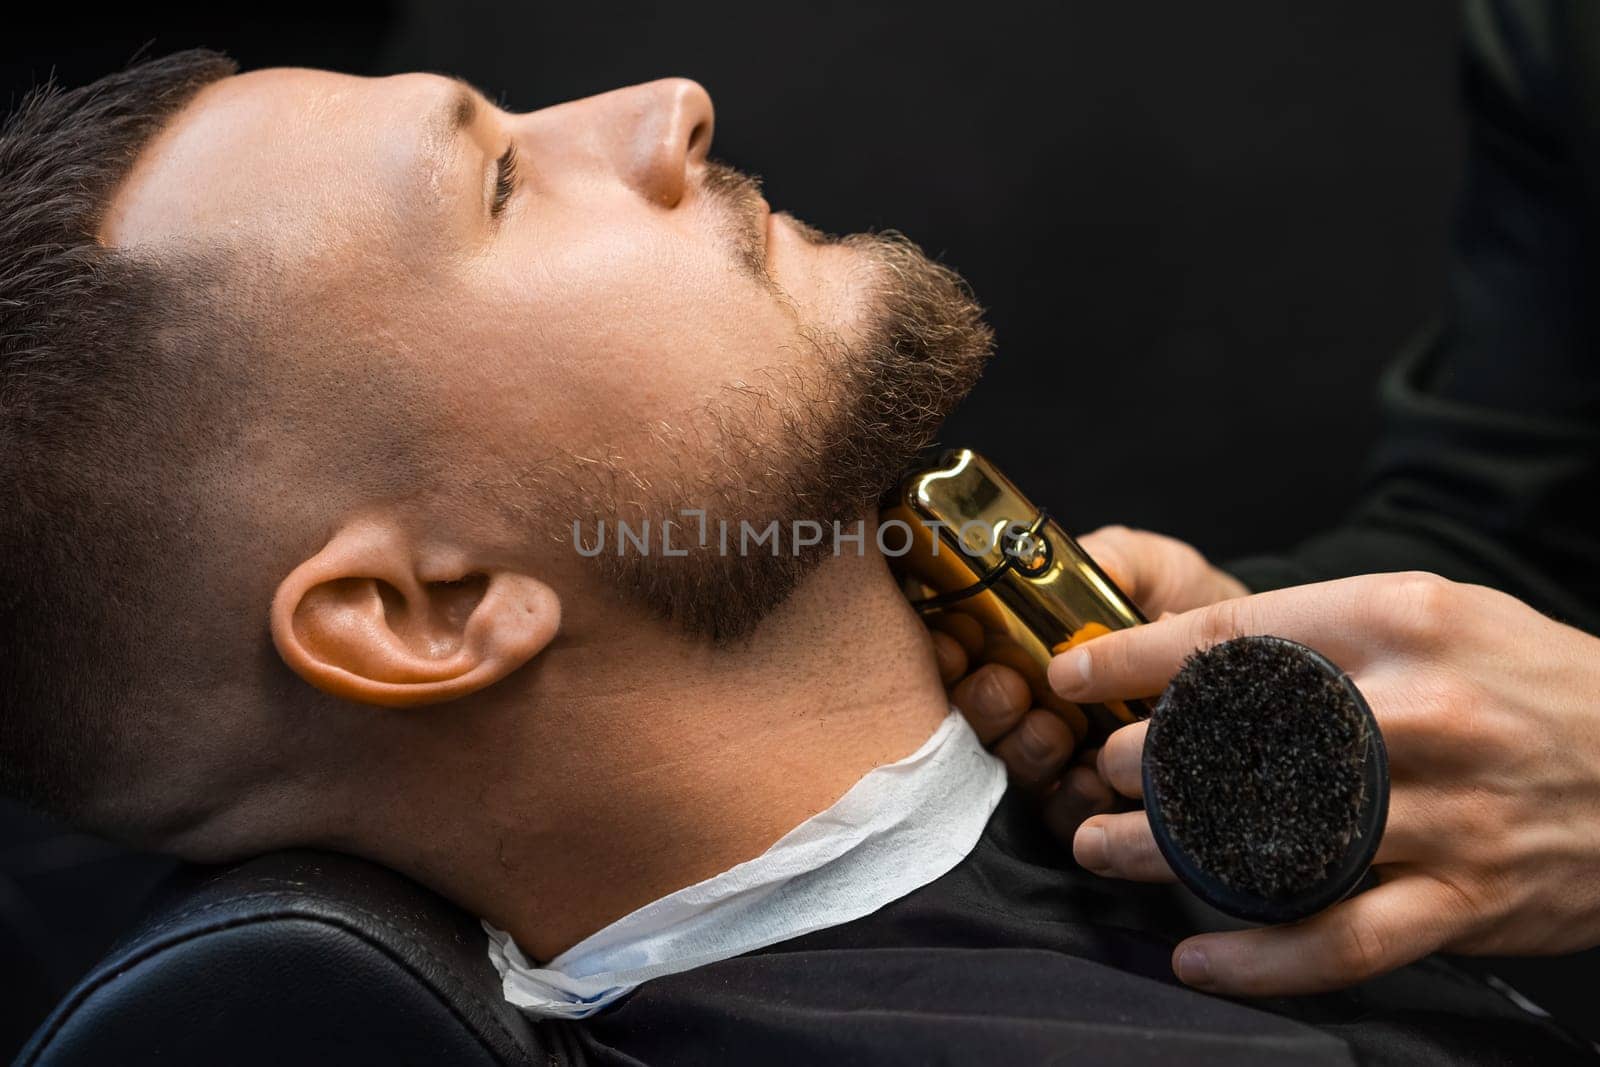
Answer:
[(700, 140), (694, 115)]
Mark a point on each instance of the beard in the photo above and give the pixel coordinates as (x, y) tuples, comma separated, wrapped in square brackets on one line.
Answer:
[(819, 445)]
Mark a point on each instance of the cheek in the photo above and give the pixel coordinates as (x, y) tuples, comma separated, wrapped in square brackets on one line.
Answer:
[(601, 325)]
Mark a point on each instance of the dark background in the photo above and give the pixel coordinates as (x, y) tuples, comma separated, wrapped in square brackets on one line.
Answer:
[(1201, 229)]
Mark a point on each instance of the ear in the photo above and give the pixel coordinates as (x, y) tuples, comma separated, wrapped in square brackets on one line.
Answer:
[(370, 618)]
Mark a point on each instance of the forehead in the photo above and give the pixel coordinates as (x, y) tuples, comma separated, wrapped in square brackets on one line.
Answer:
[(290, 154)]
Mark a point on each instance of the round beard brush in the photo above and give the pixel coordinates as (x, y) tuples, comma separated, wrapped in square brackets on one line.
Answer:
[(1265, 779)]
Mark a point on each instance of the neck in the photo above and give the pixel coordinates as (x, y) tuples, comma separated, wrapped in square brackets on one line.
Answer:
[(633, 766)]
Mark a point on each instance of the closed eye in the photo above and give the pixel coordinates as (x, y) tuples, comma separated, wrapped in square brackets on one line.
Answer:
[(505, 179)]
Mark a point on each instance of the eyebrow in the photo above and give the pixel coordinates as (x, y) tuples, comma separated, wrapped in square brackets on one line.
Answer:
[(458, 113), (443, 126)]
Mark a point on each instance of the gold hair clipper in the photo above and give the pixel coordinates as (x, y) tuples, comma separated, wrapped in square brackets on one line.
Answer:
[(982, 561)]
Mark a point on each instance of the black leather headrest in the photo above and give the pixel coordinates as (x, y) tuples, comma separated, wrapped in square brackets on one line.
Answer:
[(294, 957)]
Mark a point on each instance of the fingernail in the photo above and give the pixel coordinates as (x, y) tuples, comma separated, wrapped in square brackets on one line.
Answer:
[(1069, 670), (1090, 849), (1193, 968)]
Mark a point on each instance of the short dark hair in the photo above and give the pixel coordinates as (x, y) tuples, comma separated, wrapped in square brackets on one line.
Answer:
[(87, 373)]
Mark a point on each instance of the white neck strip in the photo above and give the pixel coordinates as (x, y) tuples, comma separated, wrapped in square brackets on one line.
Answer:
[(897, 829)]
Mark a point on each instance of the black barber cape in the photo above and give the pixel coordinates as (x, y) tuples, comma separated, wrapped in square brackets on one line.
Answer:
[(1018, 956)]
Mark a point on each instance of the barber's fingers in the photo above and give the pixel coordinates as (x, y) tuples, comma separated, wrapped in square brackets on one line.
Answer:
[(1121, 846), (1128, 847), (1436, 827), (1082, 794), (1414, 832), (1369, 934), (1070, 714), (1158, 573), (1121, 757), (951, 657), (1125, 558), (994, 698), (1425, 711), (961, 628), (1142, 660), (1037, 750)]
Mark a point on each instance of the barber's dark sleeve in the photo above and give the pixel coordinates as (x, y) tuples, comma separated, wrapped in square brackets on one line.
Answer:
[(1488, 464)]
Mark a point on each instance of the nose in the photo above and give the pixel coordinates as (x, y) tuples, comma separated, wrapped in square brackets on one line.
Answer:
[(660, 130)]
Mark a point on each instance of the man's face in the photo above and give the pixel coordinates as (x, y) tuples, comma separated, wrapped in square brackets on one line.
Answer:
[(590, 315)]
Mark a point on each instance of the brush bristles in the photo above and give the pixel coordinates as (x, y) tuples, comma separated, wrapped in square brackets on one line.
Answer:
[(1255, 757)]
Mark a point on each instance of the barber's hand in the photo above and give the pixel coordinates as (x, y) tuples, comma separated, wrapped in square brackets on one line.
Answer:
[(1158, 573), (1491, 715)]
